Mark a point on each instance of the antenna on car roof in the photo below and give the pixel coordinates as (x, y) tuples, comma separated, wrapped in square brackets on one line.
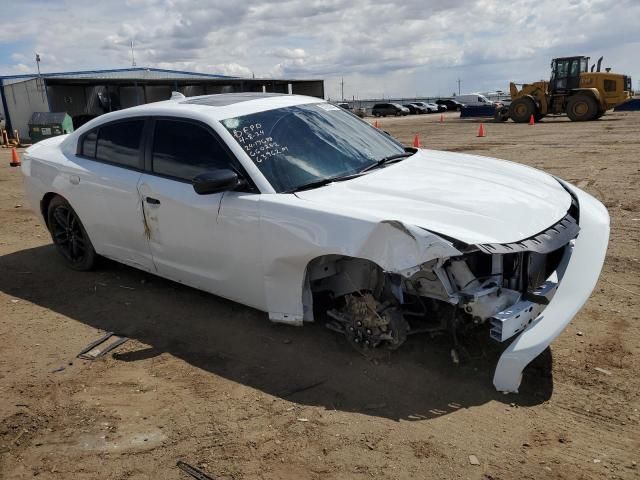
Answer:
[(177, 96)]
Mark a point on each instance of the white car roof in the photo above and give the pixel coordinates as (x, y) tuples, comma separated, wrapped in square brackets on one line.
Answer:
[(205, 107)]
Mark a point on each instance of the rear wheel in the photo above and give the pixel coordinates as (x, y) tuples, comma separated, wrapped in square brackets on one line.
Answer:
[(501, 114), (600, 114), (69, 236), (521, 110), (582, 108)]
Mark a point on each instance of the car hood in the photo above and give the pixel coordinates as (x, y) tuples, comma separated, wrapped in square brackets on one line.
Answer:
[(470, 198)]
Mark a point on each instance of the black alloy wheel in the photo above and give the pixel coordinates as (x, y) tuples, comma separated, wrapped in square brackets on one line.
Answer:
[(69, 236)]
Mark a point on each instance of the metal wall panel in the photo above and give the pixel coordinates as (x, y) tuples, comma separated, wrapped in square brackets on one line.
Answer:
[(23, 99)]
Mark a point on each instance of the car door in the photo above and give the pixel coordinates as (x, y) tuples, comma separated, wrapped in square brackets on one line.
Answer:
[(104, 193), (208, 241)]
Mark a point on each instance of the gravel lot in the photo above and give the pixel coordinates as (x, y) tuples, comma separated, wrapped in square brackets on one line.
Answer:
[(213, 383)]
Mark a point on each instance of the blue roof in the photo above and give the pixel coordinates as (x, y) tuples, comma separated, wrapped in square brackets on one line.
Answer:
[(116, 71)]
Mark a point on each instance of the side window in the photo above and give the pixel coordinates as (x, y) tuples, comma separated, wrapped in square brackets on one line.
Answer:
[(89, 144), (185, 150), (562, 69), (575, 68), (120, 143)]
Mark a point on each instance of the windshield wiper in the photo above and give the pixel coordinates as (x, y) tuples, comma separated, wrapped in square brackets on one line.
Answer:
[(322, 182), (387, 159)]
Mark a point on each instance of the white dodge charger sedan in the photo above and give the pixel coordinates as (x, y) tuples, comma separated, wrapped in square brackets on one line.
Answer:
[(298, 208)]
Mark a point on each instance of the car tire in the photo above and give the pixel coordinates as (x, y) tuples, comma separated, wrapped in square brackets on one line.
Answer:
[(69, 236)]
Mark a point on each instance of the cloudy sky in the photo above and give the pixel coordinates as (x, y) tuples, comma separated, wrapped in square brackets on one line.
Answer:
[(390, 48)]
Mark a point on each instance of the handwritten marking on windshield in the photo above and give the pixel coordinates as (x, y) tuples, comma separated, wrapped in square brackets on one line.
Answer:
[(254, 142)]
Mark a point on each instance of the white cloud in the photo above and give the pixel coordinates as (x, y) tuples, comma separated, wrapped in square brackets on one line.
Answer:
[(398, 47)]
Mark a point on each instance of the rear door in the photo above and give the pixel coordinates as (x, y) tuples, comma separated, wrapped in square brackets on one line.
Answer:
[(210, 241), (105, 193)]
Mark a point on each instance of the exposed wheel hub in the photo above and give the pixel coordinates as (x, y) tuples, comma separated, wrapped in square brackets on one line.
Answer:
[(367, 323), (581, 108)]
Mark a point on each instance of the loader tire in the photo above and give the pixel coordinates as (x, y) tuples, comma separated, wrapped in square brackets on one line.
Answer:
[(582, 108), (521, 110)]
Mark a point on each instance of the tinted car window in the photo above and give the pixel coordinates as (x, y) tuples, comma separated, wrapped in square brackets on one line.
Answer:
[(120, 143), (89, 144), (185, 150)]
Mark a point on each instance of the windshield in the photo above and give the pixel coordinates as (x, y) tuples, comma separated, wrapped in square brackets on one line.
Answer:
[(295, 146)]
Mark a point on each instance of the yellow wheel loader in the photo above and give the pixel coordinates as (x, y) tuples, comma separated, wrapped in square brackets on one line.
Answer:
[(573, 89)]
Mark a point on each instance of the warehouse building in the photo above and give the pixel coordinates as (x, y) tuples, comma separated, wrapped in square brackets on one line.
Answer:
[(85, 95)]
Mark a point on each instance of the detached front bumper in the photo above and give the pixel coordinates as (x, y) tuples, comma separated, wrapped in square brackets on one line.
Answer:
[(578, 274)]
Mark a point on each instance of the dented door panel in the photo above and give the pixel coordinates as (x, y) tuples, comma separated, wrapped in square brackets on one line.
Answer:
[(205, 241)]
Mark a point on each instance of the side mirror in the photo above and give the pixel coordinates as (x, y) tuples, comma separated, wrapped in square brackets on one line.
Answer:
[(216, 181)]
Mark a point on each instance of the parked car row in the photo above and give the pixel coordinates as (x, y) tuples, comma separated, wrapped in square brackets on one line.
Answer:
[(417, 108)]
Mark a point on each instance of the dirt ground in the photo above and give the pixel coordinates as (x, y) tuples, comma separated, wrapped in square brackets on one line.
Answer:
[(213, 383)]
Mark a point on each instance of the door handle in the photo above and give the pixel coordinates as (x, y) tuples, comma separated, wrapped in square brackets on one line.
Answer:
[(152, 201)]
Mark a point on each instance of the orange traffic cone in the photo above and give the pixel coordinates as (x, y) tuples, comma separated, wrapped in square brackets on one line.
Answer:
[(15, 158), (416, 141), (375, 124), (441, 118), (532, 121), (481, 131)]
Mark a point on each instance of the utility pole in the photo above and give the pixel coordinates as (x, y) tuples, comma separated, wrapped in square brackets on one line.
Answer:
[(133, 58), (459, 81), (342, 87), (40, 83)]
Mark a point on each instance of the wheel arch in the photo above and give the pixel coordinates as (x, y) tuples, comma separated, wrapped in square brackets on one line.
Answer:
[(530, 97), (338, 274), (288, 292), (594, 92), (44, 205)]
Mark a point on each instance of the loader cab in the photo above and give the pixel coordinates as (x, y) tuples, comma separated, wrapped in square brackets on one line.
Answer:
[(565, 72)]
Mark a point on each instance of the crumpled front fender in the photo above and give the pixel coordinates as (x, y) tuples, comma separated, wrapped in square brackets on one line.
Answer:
[(298, 233)]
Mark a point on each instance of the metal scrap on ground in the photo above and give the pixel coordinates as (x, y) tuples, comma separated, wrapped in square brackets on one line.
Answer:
[(193, 471), (96, 349)]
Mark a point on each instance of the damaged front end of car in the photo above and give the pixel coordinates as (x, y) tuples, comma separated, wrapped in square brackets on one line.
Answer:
[(508, 287)]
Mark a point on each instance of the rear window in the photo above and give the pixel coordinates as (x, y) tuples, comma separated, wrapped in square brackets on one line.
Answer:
[(119, 143)]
